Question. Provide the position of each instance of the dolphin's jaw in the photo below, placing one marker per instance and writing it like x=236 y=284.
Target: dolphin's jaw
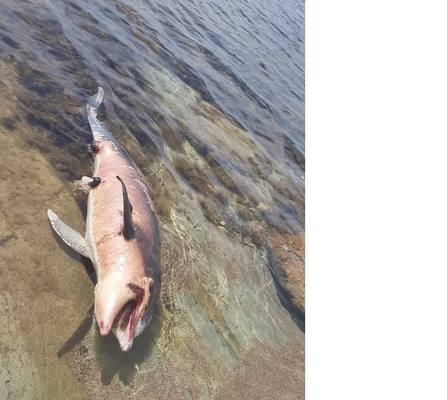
x=127 y=325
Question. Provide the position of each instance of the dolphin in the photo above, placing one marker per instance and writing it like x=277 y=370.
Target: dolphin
x=121 y=238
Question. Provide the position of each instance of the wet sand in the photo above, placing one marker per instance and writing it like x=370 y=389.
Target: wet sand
x=43 y=289
x=204 y=325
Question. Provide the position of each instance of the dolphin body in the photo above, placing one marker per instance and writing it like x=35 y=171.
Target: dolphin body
x=121 y=238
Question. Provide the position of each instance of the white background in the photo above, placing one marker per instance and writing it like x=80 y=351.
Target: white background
x=376 y=204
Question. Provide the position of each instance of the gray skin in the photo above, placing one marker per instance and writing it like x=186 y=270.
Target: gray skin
x=121 y=239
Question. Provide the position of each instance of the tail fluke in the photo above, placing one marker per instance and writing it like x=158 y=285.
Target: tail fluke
x=99 y=131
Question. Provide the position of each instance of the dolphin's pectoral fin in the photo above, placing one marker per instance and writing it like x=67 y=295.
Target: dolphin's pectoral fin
x=128 y=229
x=86 y=183
x=69 y=235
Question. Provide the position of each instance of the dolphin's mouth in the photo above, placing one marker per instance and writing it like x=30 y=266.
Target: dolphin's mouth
x=125 y=323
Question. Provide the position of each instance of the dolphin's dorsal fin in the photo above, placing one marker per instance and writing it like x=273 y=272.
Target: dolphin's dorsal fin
x=128 y=229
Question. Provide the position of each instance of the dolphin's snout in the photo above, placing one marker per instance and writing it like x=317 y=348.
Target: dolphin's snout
x=104 y=329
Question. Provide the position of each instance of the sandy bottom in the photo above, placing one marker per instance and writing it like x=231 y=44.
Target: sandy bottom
x=43 y=290
x=220 y=331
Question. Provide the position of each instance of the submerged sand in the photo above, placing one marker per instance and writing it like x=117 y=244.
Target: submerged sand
x=230 y=320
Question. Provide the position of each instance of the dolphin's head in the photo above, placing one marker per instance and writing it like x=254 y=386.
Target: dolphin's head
x=123 y=308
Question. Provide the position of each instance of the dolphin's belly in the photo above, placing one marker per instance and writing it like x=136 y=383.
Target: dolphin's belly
x=111 y=251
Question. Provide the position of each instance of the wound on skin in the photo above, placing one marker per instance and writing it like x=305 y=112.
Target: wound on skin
x=135 y=288
x=96 y=180
x=93 y=148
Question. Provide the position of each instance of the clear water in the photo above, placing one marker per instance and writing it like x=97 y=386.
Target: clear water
x=208 y=99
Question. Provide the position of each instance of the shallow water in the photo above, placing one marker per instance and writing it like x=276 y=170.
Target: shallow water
x=208 y=99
